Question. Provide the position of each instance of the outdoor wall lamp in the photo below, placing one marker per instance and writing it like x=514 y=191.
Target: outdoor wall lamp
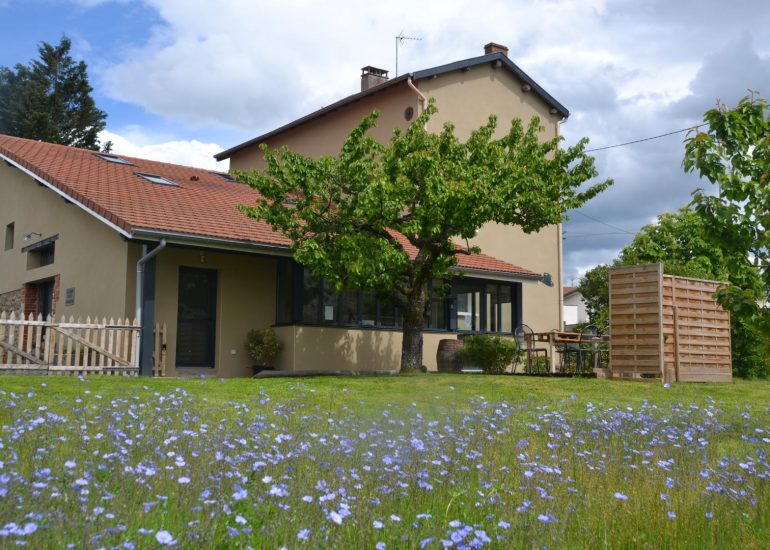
x=28 y=236
x=546 y=278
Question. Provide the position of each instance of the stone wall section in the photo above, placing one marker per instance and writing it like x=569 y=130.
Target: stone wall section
x=11 y=301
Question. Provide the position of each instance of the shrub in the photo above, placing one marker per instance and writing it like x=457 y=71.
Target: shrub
x=491 y=353
x=263 y=346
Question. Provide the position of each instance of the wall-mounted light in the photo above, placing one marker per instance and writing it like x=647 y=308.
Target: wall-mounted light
x=546 y=279
x=28 y=236
x=203 y=257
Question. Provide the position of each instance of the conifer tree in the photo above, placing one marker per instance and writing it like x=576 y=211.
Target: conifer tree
x=50 y=99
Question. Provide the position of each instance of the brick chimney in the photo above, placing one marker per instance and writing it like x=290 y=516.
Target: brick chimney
x=371 y=76
x=492 y=47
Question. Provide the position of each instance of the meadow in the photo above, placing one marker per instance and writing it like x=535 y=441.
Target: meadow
x=431 y=461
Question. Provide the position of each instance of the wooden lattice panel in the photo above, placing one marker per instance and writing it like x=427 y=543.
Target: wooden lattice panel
x=667 y=326
x=635 y=321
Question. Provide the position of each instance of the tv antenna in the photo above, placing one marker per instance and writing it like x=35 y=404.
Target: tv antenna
x=399 y=42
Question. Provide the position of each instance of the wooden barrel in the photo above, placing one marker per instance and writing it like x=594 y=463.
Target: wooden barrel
x=447 y=359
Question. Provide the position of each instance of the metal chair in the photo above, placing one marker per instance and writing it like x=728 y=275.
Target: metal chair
x=585 y=353
x=525 y=339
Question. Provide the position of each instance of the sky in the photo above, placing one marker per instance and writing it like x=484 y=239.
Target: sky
x=182 y=80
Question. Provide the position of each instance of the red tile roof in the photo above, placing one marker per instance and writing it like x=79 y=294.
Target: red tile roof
x=202 y=205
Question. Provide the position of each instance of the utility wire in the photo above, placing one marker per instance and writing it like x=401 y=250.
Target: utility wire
x=578 y=235
x=644 y=139
x=605 y=223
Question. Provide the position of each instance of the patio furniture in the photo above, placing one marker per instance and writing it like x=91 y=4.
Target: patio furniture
x=525 y=338
x=582 y=356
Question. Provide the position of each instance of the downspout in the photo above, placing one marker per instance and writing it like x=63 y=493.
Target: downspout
x=423 y=99
x=147 y=256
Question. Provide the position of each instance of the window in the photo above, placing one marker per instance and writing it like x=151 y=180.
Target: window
x=112 y=158
x=41 y=253
x=223 y=175
x=9 y=233
x=440 y=297
x=469 y=306
x=157 y=179
x=465 y=305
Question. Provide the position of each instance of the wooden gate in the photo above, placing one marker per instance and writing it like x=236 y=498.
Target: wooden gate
x=37 y=345
x=667 y=327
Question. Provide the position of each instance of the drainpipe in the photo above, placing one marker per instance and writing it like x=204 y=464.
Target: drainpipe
x=423 y=99
x=147 y=256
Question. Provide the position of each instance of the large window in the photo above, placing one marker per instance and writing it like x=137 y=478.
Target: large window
x=464 y=305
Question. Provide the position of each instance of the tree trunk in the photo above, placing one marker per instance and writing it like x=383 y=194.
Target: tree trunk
x=413 y=325
x=411 y=347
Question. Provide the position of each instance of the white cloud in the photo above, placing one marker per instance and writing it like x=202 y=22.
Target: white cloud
x=189 y=153
x=625 y=69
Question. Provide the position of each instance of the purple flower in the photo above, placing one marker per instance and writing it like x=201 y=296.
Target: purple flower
x=164 y=537
x=503 y=524
x=621 y=496
x=335 y=517
x=671 y=514
x=303 y=534
x=377 y=524
x=183 y=480
x=380 y=545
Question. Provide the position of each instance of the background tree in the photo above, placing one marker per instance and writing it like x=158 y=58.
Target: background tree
x=383 y=218
x=594 y=287
x=50 y=100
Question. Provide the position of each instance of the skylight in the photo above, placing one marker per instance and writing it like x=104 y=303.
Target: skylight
x=112 y=158
x=223 y=175
x=157 y=179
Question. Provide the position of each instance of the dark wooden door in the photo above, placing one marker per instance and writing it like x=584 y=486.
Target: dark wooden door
x=196 y=317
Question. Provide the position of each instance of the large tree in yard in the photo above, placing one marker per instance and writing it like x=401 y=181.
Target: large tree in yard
x=386 y=217
x=735 y=155
x=50 y=100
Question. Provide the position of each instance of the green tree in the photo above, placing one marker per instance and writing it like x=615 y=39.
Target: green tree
x=50 y=100
x=735 y=155
x=594 y=287
x=384 y=217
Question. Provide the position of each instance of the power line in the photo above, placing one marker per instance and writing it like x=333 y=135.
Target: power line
x=644 y=139
x=578 y=235
x=605 y=223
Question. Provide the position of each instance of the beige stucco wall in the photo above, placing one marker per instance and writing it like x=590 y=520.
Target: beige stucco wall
x=89 y=256
x=467 y=99
x=325 y=135
x=245 y=300
x=309 y=348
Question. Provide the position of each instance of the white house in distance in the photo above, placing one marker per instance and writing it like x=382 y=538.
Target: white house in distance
x=574 y=308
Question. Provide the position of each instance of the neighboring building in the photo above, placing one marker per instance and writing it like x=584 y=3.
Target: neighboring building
x=574 y=308
x=77 y=222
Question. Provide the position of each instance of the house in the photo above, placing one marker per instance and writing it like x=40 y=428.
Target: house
x=87 y=233
x=574 y=308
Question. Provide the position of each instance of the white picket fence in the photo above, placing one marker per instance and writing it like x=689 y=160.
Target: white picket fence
x=70 y=346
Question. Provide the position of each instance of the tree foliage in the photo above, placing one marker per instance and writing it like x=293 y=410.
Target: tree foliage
x=594 y=288
x=50 y=99
x=735 y=155
x=384 y=217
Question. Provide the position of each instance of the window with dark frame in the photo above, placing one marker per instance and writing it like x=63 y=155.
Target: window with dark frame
x=9 y=235
x=464 y=305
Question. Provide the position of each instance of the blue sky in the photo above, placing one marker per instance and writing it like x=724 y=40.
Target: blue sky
x=184 y=79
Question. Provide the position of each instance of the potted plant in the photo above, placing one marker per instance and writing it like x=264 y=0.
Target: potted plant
x=263 y=346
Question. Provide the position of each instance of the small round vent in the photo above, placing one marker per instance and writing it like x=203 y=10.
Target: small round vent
x=409 y=113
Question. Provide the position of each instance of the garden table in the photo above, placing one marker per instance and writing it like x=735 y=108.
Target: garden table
x=573 y=342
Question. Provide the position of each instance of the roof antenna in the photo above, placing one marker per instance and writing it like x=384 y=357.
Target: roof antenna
x=399 y=42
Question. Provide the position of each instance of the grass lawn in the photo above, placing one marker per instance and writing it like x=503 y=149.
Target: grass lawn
x=460 y=461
